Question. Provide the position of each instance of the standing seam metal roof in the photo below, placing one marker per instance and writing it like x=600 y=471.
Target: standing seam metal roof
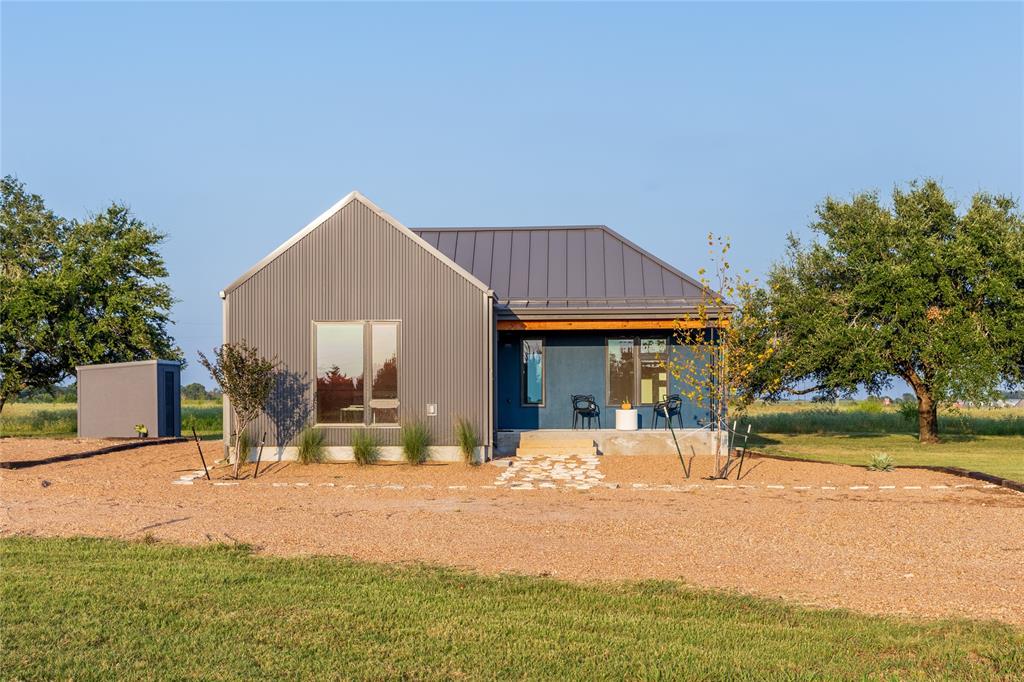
x=564 y=266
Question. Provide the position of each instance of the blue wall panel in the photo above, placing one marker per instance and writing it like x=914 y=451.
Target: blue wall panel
x=574 y=362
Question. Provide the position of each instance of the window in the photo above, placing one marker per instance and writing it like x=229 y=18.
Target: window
x=384 y=391
x=346 y=352
x=533 y=371
x=653 y=373
x=636 y=371
x=621 y=372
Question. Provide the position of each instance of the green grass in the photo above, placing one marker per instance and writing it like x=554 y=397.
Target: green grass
x=60 y=420
x=997 y=455
x=99 y=609
x=989 y=440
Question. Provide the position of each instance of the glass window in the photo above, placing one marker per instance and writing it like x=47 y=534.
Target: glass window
x=533 y=372
x=339 y=373
x=621 y=371
x=653 y=372
x=384 y=389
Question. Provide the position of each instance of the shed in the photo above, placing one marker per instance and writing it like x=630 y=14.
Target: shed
x=113 y=398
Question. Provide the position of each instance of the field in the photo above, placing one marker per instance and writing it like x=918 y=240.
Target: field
x=59 y=420
x=989 y=440
x=78 y=608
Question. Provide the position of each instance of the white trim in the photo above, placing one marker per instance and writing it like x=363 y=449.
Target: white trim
x=319 y=220
x=133 y=363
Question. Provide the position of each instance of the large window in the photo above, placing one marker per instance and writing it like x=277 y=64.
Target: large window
x=533 y=371
x=621 y=371
x=636 y=371
x=346 y=353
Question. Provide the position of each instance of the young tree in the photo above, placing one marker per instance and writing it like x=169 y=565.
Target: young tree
x=246 y=378
x=722 y=346
x=74 y=293
x=915 y=291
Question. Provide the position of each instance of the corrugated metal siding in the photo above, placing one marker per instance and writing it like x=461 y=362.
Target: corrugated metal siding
x=357 y=266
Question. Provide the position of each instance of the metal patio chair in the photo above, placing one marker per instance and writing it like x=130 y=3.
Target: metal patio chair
x=585 y=409
x=667 y=409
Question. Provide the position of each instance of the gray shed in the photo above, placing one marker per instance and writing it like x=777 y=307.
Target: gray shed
x=113 y=398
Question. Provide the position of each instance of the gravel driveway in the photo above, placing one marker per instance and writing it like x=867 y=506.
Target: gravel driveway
x=908 y=542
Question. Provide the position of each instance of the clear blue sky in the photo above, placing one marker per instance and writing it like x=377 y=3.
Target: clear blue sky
x=230 y=126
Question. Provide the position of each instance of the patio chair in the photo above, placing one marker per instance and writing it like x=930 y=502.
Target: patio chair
x=585 y=409
x=667 y=409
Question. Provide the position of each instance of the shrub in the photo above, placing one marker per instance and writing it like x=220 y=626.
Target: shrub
x=871 y=406
x=364 y=447
x=908 y=411
x=468 y=440
x=311 y=446
x=415 y=442
x=881 y=462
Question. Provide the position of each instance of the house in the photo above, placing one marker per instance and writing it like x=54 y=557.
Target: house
x=376 y=325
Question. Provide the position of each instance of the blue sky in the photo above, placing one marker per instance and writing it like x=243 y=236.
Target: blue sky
x=230 y=126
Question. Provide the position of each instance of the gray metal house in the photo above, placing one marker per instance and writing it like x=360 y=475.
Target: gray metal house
x=377 y=325
x=113 y=398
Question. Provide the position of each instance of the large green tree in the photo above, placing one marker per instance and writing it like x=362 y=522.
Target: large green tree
x=916 y=290
x=76 y=292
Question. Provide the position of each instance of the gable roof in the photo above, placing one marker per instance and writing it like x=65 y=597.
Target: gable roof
x=565 y=267
x=319 y=220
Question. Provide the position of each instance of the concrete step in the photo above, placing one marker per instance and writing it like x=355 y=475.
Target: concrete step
x=544 y=450
x=530 y=440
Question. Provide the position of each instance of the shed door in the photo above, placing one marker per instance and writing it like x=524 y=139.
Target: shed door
x=168 y=429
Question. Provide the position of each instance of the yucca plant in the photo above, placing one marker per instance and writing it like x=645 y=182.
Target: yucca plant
x=311 y=446
x=468 y=440
x=415 y=442
x=364 y=447
x=881 y=462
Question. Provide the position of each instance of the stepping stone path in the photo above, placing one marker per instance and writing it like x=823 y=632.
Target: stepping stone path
x=532 y=472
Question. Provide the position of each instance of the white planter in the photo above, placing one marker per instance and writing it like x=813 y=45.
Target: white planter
x=625 y=420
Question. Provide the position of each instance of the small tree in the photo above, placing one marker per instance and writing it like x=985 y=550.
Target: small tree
x=724 y=344
x=194 y=391
x=246 y=378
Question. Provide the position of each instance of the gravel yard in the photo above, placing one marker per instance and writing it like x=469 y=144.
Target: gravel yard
x=908 y=542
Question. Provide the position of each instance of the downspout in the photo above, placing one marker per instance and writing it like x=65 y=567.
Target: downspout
x=492 y=339
x=225 y=405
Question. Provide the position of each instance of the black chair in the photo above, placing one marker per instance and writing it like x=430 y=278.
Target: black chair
x=584 y=408
x=668 y=408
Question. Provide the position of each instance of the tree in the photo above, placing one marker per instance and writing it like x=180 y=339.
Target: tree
x=916 y=291
x=246 y=378
x=724 y=346
x=74 y=293
x=194 y=391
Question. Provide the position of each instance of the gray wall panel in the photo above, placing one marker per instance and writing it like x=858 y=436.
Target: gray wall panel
x=357 y=266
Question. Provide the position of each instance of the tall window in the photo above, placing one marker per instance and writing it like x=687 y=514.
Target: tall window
x=621 y=371
x=346 y=353
x=533 y=371
x=636 y=371
x=384 y=391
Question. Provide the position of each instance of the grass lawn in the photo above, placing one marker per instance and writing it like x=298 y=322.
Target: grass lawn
x=998 y=455
x=848 y=432
x=60 y=420
x=85 y=608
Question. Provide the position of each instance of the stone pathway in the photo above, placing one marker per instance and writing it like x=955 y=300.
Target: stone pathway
x=531 y=472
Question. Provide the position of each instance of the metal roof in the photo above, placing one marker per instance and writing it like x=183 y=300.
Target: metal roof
x=565 y=267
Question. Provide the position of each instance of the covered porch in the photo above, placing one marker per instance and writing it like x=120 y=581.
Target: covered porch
x=541 y=364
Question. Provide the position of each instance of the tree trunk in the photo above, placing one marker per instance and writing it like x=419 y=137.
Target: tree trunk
x=927 y=419
x=3 y=399
x=927 y=408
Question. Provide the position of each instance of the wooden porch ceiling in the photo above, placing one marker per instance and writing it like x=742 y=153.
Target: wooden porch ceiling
x=539 y=325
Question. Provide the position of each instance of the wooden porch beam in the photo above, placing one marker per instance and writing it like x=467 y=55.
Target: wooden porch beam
x=542 y=325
